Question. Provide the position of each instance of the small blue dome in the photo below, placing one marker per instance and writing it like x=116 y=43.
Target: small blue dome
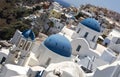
x=59 y=44
x=91 y=23
x=29 y=34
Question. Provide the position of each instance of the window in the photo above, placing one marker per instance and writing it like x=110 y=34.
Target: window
x=86 y=34
x=118 y=41
x=3 y=60
x=78 y=48
x=16 y=55
x=28 y=44
x=21 y=43
x=93 y=38
x=78 y=30
x=58 y=27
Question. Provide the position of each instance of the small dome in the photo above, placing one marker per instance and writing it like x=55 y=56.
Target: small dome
x=59 y=44
x=91 y=23
x=29 y=34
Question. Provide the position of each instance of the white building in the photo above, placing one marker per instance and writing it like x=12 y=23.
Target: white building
x=112 y=70
x=84 y=38
x=26 y=52
x=20 y=51
x=62 y=69
x=56 y=5
x=70 y=19
x=112 y=53
x=87 y=13
x=113 y=34
x=25 y=56
x=58 y=26
x=42 y=17
x=10 y=70
x=3 y=55
x=84 y=44
x=58 y=47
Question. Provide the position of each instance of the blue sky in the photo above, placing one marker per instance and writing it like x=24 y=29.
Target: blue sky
x=110 y=4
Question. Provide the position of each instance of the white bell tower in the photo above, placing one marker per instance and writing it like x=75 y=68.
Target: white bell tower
x=19 y=53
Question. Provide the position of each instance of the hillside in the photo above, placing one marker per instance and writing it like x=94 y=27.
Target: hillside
x=10 y=18
x=108 y=13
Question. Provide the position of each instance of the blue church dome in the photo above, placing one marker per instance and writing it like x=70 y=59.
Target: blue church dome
x=29 y=34
x=92 y=24
x=59 y=44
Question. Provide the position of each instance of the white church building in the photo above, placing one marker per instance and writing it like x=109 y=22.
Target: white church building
x=84 y=38
x=54 y=49
x=26 y=55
